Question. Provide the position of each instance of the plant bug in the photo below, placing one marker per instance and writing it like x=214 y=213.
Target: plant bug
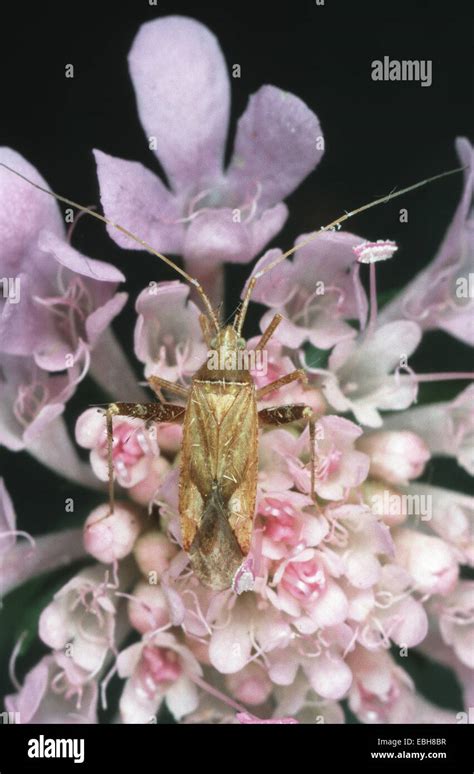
x=219 y=460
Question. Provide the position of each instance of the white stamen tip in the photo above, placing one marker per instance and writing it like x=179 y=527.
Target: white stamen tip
x=244 y=579
x=371 y=252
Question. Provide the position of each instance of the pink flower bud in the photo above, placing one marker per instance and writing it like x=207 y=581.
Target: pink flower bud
x=148 y=610
x=250 y=686
x=111 y=536
x=430 y=561
x=169 y=437
x=385 y=502
x=144 y=491
x=396 y=457
x=153 y=552
x=304 y=580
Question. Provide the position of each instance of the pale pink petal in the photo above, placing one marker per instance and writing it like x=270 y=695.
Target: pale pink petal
x=182 y=698
x=329 y=675
x=182 y=87
x=278 y=143
x=136 y=199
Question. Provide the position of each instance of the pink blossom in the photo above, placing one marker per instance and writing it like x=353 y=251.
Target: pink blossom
x=246 y=718
x=148 y=608
x=381 y=691
x=357 y=541
x=183 y=96
x=439 y=295
x=446 y=428
x=132 y=446
x=430 y=561
x=363 y=376
x=457 y=621
x=315 y=293
x=55 y=691
x=168 y=339
x=83 y=616
x=111 y=536
x=157 y=669
x=389 y=611
x=153 y=552
x=251 y=685
x=450 y=516
x=279 y=364
x=395 y=457
x=67 y=299
x=306 y=591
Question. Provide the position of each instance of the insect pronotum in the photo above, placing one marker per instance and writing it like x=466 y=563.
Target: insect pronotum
x=219 y=459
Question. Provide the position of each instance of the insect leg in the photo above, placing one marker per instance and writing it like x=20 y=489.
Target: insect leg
x=283 y=415
x=269 y=331
x=157 y=412
x=298 y=375
x=157 y=383
x=205 y=328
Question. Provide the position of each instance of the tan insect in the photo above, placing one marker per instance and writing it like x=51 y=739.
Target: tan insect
x=221 y=420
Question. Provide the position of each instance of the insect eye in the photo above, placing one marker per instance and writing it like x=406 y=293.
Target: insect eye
x=240 y=343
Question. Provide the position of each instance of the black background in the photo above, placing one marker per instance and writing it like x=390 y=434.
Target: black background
x=378 y=136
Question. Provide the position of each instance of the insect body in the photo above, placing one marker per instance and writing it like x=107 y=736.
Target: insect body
x=219 y=461
x=218 y=480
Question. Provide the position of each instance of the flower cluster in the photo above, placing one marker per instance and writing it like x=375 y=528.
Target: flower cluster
x=344 y=579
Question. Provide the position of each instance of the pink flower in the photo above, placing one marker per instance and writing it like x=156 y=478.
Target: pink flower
x=153 y=552
x=148 y=608
x=109 y=537
x=66 y=299
x=384 y=693
x=388 y=611
x=439 y=295
x=381 y=691
x=321 y=660
x=429 y=560
x=132 y=446
x=339 y=466
x=451 y=515
x=55 y=691
x=251 y=685
x=457 y=621
x=315 y=293
x=83 y=616
x=157 y=669
x=360 y=377
x=446 y=428
x=168 y=338
x=208 y=215
x=395 y=457
x=305 y=590
x=355 y=542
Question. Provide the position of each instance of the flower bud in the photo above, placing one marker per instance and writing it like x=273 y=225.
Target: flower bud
x=144 y=491
x=250 y=686
x=396 y=457
x=430 y=561
x=153 y=552
x=111 y=536
x=148 y=610
x=385 y=502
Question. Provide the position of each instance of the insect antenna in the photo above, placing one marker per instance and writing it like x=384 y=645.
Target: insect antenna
x=240 y=317
x=89 y=211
